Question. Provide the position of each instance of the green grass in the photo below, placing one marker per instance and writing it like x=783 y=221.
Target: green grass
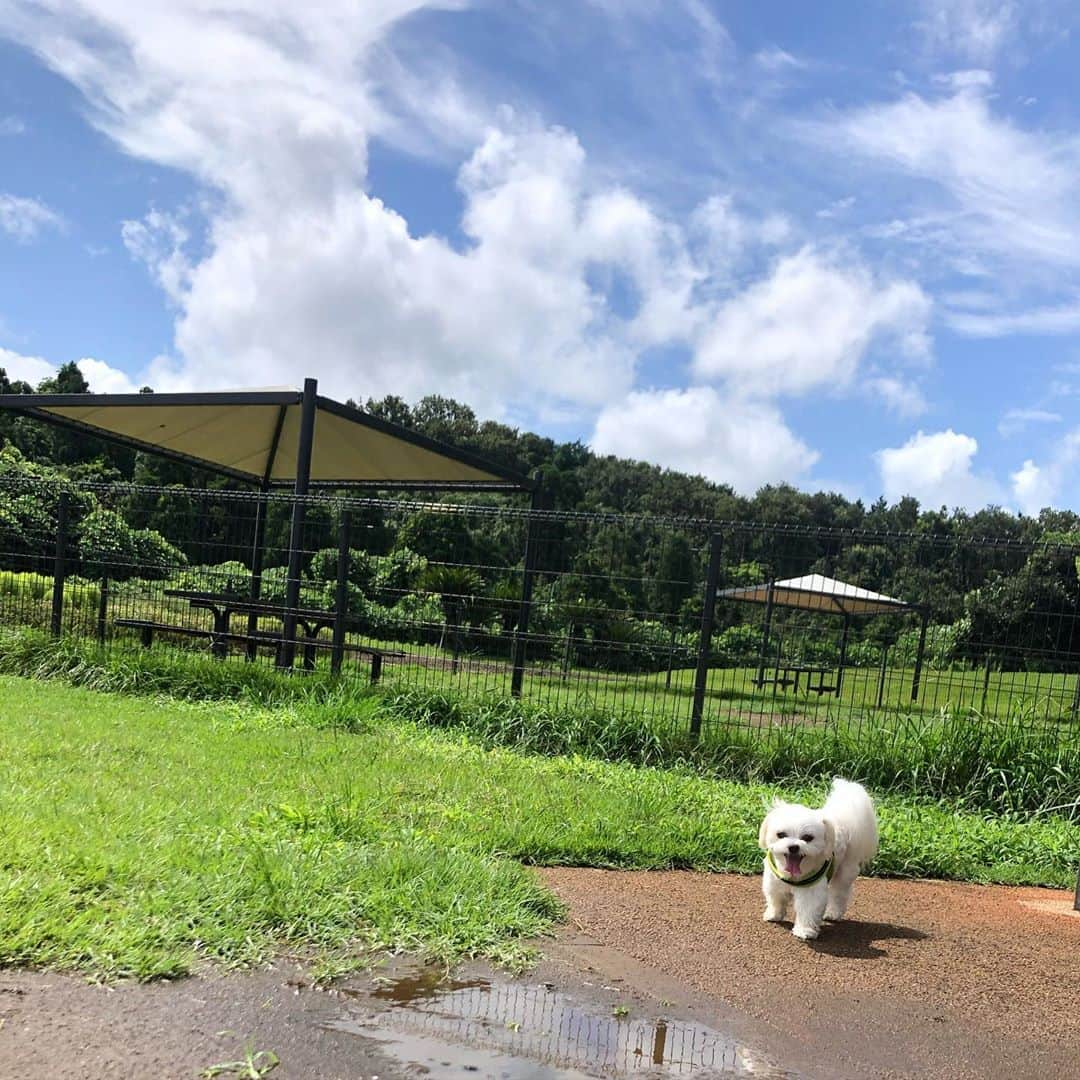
x=139 y=836
x=1012 y=768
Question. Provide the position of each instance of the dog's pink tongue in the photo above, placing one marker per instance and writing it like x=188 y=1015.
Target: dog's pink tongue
x=793 y=865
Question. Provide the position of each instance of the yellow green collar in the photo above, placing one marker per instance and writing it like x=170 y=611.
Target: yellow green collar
x=825 y=871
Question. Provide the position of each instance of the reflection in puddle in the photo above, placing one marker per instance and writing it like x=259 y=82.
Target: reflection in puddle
x=522 y=1031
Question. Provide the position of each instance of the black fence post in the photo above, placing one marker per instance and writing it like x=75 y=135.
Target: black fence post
x=103 y=609
x=305 y=441
x=532 y=556
x=341 y=596
x=766 y=627
x=56 y=623
x=881 y=674
x=843 y=655
x=708 y=617
x=917 y=677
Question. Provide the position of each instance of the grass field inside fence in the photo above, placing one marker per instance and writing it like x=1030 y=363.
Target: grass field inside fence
x=142 y=835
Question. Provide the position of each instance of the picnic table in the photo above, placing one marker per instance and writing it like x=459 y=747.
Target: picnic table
x=223 y=606
x=789 y=673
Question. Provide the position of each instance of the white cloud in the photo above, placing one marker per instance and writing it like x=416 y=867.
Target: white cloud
x=1060 y=319
x=25 y=218
x=774 y=59
x=975 y=29
x=158 y=241
x=937 y=469
x=105 y=379
x=12 y=125
x=808 y=325
x=102 y=377
x=20 y=368
x=1017 y=420
x=1010 y=193
x=699 y=431
x=900 y=396
x=1036 y=487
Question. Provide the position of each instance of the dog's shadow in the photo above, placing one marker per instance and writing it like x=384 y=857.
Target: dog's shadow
x=855 y=940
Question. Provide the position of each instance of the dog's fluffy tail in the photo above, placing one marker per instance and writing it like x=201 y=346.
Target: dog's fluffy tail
x=851 y=811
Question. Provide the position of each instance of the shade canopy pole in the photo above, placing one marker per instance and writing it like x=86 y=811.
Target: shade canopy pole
x=305 y=442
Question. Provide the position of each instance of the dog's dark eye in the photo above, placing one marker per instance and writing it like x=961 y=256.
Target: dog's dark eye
x=807 y=838
x=781 y=835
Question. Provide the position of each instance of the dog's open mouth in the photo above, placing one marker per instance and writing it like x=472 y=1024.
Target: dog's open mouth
x=792 y=865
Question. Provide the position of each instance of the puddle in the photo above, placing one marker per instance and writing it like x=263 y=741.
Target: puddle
x=478 y=1027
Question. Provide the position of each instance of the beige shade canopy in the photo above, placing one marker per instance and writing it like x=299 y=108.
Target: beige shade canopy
x=255 y=436
x=815 y=592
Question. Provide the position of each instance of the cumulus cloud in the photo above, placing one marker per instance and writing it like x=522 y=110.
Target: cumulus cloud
x=808 y=324
x=938 y=470
x=697 y=430
x=20 y=368
x=102 y=377
x=25 y=218
x=1036 y=487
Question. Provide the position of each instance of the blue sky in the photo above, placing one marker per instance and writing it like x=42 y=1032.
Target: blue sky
x=838 y=247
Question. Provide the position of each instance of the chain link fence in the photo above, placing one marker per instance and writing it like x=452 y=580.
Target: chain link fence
x=692 y=623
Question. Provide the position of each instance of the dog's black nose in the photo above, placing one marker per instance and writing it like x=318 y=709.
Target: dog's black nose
x=793 y=849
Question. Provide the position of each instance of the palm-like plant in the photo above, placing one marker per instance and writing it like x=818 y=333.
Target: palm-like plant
x=457 y=587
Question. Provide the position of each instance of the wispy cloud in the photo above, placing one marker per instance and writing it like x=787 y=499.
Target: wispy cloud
x=1062 y=319
x=12 y=125
x=1018 y=420
x=24 y=219
x=1007 y=192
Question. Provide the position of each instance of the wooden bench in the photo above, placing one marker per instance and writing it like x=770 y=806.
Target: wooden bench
x=377 y=655
x=148 y=627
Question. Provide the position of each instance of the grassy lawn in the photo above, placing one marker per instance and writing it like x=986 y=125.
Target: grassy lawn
x=139 y=835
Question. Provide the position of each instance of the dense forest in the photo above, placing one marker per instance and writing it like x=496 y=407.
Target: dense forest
x=603 y=580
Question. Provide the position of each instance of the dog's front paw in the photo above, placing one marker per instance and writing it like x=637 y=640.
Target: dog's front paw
x=805 y=933
x=773 y=915
x=834 y=914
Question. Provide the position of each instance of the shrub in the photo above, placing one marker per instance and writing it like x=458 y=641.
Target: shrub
x=108 y=546
x=229 y=578
x=324 y=567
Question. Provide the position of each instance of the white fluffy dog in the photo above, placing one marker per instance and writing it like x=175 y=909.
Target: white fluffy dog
x=812 y=857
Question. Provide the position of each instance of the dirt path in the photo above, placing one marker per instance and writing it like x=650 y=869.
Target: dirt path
x=922 y=979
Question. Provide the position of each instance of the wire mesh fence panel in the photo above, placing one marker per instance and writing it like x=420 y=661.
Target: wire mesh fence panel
x=803 y=627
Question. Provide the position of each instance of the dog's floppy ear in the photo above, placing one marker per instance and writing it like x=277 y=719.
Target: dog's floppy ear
x=763 y=832
x=830 y=836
